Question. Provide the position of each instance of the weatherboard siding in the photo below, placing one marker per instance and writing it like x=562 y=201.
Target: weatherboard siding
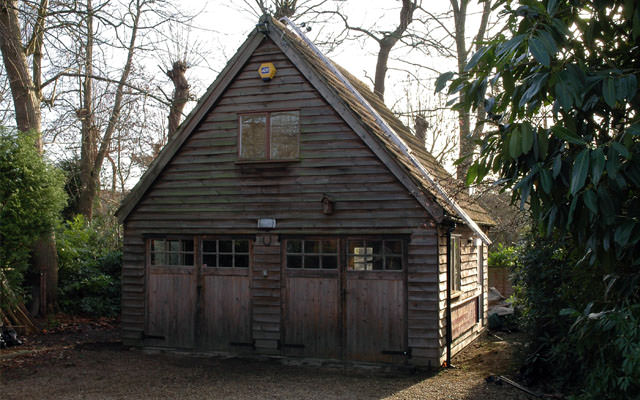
x=464 y=315
x=203 y=190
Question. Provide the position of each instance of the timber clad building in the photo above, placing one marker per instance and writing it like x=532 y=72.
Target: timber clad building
x=283 y=218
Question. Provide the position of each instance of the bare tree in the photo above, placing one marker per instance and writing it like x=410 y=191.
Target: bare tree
x=100 y=112
x=386 y=40
x=180 y=93
x=460 y=50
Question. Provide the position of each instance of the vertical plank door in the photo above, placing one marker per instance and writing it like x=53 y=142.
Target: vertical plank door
x=311 y=299
x=171 y=303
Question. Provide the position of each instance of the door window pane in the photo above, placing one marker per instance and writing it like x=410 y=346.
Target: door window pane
x=374 y=255
x=171 y=252
x=225 y=253
x=312 y=254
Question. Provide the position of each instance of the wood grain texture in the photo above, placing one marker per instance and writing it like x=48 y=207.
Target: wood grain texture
x=375 y=319
x=171 y=307
x=311 y=326
x=226 y=313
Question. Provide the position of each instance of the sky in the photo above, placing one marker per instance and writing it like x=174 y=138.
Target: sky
x=222 y=26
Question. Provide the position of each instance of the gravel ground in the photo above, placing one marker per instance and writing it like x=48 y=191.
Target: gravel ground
x=88 y=362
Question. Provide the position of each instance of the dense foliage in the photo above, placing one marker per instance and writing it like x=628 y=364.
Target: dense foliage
x=90 y=260
x=560 y=85
x=31 y=198
x=502 y=256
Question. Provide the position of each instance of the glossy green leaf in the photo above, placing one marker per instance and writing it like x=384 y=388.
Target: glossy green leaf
x=475 y=58
x=613 y=163
x=572 y=209
x=539 y=52
x=442 y=80
x=580 y=171
x=565 y=134
x=557 y=165
x=607 y=208
x=535 y=85
x=619 y=147
x=543 y=144
x=597 y=165
x=609 y=91
x=527 y=137
x=546 y=181
x=591 y=200
x=623 y=232
x=472 y=173
x=515 y=148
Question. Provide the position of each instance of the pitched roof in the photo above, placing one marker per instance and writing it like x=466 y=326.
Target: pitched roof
x=454 y=200
x=455 y=190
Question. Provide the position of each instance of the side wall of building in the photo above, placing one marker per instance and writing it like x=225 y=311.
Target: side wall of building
x=470 y=305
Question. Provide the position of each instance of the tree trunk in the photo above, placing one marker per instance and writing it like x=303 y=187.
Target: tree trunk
x=88 y=149
x=421 y=126
x=387 y=43
x=25 y=98
x=465 y=140
x=180 y=94
x=26 y=101
x=381 y=66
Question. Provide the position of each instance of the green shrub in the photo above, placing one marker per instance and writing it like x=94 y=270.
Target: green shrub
x=504 y=257
x=31 y=197
x=90 y=261
x=593 y=341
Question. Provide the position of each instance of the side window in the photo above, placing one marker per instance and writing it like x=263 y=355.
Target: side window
x=225 y=253
x=171 y=252
x=374 y=255
x=269 y=136
x=312 y=254
x=456 y=267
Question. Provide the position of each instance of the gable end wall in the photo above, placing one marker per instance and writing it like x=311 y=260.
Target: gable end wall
x=202 y=190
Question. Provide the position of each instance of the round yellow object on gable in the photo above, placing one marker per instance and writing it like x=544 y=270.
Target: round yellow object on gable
x=267 y=71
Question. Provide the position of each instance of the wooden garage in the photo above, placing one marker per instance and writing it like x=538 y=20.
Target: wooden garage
x=295 y=215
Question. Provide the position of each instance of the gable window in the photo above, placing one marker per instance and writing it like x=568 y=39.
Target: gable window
x=372 y=255
x=225 y=253
x=312 y=254
x=455 y=271
x=172 y=252
x=269 y=136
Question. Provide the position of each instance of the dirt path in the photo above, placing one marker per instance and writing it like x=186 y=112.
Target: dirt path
x=89 y=362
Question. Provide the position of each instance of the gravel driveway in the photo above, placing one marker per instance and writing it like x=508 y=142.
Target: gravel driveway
x=79 y=367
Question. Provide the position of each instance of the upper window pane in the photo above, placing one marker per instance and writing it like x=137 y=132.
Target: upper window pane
x=171 y=252
x=285 y=130
x=225 y=253
x=372 y=255
x=312 y=254
x=253 y=137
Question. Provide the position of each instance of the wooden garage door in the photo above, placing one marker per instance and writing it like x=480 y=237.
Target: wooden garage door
x=171 y=295
x=375 y=301
x=344 y=298
x=311 y=298
x=225 y=316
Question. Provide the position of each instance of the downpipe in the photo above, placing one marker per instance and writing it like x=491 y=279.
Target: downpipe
x=448 y=334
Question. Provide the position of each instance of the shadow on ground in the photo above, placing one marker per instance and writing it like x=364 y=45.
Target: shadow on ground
x=76 y=368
